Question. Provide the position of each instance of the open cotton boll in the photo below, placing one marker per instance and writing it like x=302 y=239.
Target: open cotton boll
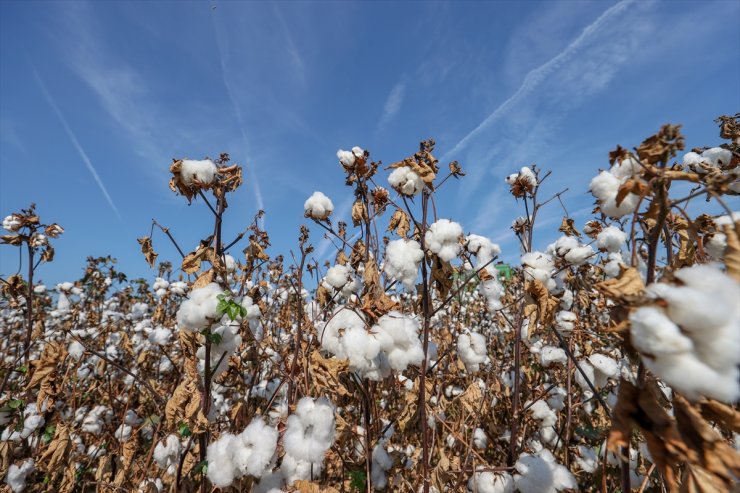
x=343 y=279
x=715 y=244
x=199 y=310
x=587 y=459
x=167 y=454
x=221 y=468
x=222 y=350
x=76 y=350
x=255 y=447
x=382 y=463
x=471 y=348
x=160 y=336
x=402 y=261
x=363 y=351
x=12 y=223
x=204 y=172
x=490 y=482
x=318 y=206
x=570 y=249
x=443 y=238
x=293 y=469
x=310 y=430
x=604 y=368
x=341 y=320
x=16 y=477
x=541 y=473
x=626 y=168
x=346 y=159
x=405 y=181
x=611 y=239
x=398 y=337
x=605 y=187
x=565 y=321
x=552 y=354
x=539 y=266
x=492 y=290
x=483 y=248
x=696 y=326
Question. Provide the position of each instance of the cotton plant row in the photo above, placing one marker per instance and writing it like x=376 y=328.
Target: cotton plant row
x=405 y=363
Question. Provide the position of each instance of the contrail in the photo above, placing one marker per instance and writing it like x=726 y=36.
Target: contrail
x=539 y=74
x=240 y=119
x=75 y=142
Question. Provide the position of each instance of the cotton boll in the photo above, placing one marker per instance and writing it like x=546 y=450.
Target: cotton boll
x=442 y=238
x=611 y=239
x=613 y=266
x=402 y=260
x=167 y=453
x=160 y=336
x=490 y=482
x=471 y=348
x=346 y=159
x=204 y=172
x=293 y=469
x=717 y=156
x=310 y=431
x=540 y=267
x=590 y=376
x=12 y=223
x=381 y=464
x=221 y=468
x=405 y=181
x=715 y=245
x=256 y=447
x=587 y=459
x=492 y=290
x=605 y=368
x=551 y=354
x=318 y=206
x=342 y=319
x=398 y=337
x=655 y=334
x=199 y=310
x=626 y=168
x=542 y=412
x=605 y=187
x=362 y=350
x=16 y=477
x=76 y=350
x=483 y=248
x=542 y=474
x=565 y=321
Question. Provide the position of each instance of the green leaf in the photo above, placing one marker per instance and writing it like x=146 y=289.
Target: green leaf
x=214 y=338
x=49 y=432
x=358 y=481
x=15 y=403
x=22 y=369
x=201 y=468
x=184 y=430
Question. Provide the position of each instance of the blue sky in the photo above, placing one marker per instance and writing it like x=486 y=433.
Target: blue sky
x=96 y=98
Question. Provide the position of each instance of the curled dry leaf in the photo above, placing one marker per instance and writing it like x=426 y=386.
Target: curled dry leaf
x=148 y=250
x=399 y=223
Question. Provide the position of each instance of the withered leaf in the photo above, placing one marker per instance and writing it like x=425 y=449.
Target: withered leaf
x=627 y=283
x=399 y=223
x=732 y=253
x=567 y=227
x=148 y=250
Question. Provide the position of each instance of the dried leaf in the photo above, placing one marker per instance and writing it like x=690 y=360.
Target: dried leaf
x=399 y=223
x=148 y=250
x=567 y=227
x=635 y=186
x=359 y=213
x=732 y=253
x=325 y=374
x=627 y=283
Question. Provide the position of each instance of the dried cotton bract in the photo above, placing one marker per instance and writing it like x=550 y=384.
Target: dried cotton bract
x=691 y=339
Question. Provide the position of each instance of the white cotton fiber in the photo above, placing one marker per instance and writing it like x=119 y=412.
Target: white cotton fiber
x=402 y=261
x=318 y=206
x=199 y=310
x=443 y=238
x=204 y=172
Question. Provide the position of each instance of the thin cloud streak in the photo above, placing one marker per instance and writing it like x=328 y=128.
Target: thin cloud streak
x=392 y=104
x=229 y=91
x=536 y=76
x=76 y=143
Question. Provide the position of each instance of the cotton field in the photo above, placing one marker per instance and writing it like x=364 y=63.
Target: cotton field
x=414 y=361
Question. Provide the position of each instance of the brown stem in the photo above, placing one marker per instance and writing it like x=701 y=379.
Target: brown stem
x=422 y=376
